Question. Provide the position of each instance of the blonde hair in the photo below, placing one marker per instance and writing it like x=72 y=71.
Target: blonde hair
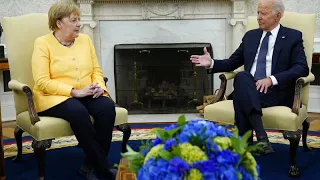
x=59 y=10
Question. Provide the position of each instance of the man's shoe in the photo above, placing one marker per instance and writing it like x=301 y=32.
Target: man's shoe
x=88 y=173
x=111 y=173
x=266 y=148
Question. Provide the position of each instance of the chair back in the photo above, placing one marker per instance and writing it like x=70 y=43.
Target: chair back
x=20 y=33
x=306 y=24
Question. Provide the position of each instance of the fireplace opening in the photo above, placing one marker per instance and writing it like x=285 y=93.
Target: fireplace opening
x=159 y=78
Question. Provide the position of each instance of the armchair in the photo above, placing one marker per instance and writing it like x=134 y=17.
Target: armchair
x=20 y=33
x=288 y=120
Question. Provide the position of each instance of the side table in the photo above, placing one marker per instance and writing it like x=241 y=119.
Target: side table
x=123 y=173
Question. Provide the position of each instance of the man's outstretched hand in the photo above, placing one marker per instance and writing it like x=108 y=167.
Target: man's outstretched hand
x=202 y=60
x=263 y=84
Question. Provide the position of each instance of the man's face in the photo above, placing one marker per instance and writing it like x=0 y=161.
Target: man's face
x=267 y=19
x=70 y=26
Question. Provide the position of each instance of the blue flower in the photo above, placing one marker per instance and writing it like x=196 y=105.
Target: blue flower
x=178 y=166
x=205 y=166
x=156 y=169
x=156 y=141
x=227 y=157
x=170 y=143
x=145 y=152
x=170 y=127
x=211 y=146
x=226 y=172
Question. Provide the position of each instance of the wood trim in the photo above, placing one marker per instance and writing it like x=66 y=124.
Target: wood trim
x=316 y=58
x=4 y=65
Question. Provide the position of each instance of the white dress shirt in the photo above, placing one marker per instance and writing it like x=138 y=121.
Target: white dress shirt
x=272 y=40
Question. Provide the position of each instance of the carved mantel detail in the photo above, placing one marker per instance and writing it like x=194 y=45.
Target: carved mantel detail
x=158 y=10
x=87 y=13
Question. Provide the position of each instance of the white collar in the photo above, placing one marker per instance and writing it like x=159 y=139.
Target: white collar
x=274 y=31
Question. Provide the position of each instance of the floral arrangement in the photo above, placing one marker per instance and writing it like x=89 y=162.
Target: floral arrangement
x=194 y=150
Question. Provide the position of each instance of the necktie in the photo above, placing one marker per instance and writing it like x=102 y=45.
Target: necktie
x=261 y=61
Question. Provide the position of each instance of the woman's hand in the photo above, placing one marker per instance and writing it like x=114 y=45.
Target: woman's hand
x=98 y=91
x=87 y=91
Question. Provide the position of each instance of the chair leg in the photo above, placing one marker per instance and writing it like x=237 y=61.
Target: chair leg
x=126 y=129
x=305 y=128
x=18 y=136
x=294 y=139
x=39 y=148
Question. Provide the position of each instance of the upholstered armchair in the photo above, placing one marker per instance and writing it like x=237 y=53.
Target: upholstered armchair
x=288 y=120
x=20 y=33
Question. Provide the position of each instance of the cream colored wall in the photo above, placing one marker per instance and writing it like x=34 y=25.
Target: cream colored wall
x=301 y=6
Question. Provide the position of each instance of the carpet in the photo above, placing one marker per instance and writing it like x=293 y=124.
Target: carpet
x=64 y=158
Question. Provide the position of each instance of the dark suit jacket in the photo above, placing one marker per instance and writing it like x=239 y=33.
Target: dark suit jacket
x=288 y=60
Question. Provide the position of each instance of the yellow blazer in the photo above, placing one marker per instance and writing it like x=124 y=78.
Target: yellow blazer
x=57 y=69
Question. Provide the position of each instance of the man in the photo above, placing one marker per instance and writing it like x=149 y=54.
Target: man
x=273 y=57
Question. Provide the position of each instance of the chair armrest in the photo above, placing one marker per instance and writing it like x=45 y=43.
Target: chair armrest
x=230 y=75
x=105 y=81
x=18 y=86
x=307 y=79
x=299 y=83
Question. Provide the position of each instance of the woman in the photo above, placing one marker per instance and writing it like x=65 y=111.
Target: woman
x=69 y=85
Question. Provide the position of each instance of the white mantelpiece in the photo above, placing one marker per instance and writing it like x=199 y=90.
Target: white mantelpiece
x=94 y=12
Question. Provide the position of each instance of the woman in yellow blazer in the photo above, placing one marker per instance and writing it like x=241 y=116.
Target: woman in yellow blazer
x=69 y=85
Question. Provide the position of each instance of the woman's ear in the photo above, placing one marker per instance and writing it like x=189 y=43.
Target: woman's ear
x=58 y=24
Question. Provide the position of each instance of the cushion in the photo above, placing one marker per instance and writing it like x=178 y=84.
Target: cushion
x=50 y=127
x=276 y=117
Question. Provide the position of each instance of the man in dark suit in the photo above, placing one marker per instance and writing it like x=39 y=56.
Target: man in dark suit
x=273 y=57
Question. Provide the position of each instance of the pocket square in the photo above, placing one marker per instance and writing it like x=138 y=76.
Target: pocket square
x=283 y=37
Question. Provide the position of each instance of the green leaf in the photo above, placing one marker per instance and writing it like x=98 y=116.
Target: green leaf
x=172 y=131
x=182 y=120
x=176 y=151
x=164 y=154
x=162 y=134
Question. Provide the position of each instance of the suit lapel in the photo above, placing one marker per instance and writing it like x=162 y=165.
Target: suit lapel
x=255 y=45
x=281 y=37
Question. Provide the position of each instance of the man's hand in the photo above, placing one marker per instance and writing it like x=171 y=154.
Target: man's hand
x=203 y=60
x=98 y=91
x=263 y=84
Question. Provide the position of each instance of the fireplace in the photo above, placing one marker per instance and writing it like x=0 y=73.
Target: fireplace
x=159 y=78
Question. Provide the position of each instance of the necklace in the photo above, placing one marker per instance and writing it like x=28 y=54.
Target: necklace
x=66 y=45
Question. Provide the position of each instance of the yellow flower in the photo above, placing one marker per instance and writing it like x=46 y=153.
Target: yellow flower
x=223 y=142
x=191 y=154
x=250 y=164
x=194 y=175
x=154 y=152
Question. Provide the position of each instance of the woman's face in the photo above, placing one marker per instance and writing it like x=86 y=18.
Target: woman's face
x=70 y=26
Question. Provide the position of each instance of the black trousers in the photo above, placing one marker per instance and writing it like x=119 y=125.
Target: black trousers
x=94 y=139
x=248 y=102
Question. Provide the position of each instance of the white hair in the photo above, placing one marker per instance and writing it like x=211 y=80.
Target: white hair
x=278 y=6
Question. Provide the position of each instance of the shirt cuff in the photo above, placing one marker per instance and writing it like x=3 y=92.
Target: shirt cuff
x=274 y=80
x=211 y=66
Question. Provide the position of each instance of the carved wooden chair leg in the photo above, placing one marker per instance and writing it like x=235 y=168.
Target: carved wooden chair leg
x=39 y=148
x=294 y=138
x=18 y=136
x=305 y=128
x=126 y=129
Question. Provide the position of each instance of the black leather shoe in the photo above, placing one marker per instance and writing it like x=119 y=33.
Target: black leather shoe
x=88 y=173
x=111 y=173
x=266 y=148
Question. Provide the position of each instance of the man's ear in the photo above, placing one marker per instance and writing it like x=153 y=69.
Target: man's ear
x=278 y=16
